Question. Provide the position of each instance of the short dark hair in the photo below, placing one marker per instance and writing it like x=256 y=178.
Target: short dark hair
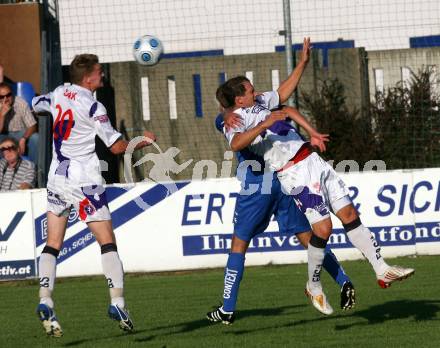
x=232 y=88
x=5 y=85
x=82 y=65
x=11 y=139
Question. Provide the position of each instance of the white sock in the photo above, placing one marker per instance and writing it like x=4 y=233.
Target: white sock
x=47 y=301
x=47 y=273
x=117 y=300
x=114 y=273
x=315 y=258
x=362 y=238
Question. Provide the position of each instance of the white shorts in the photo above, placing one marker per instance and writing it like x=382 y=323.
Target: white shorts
x=315 y=187
x=63 y=193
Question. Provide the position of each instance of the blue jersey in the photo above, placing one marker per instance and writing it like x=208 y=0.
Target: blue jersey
x=254 y=210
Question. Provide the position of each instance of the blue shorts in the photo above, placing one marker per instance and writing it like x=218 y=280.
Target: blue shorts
x=253 y=212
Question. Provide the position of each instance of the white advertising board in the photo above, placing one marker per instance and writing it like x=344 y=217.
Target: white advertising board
x=17 y=247
x=190 y=226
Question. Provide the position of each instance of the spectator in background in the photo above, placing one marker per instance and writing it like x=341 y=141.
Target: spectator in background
x=15 y=173
x=4 y=78
x=17 y=121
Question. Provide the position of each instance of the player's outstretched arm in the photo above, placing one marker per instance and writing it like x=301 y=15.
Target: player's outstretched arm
x=120 y=146
x=295 y=115
x=288 y=86
x=41 y=104
x=244 y=139
x=316 y=138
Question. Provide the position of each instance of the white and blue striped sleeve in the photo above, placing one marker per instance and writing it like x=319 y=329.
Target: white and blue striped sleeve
x=41 y=103
x=102 y=125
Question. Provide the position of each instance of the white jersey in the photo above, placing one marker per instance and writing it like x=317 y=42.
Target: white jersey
x=78 y=118
x=279 y=143
x=74 y=177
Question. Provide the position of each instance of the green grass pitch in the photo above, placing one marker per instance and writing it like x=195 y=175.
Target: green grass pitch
x=169 y=310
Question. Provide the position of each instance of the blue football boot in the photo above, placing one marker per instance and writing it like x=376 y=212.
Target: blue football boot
x=120 y=315
x=49 y=320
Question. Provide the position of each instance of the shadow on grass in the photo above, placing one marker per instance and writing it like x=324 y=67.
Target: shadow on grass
x=179 y=328
x=419 y=311
x=190 y=326
x=97 y=339
x=422 y=310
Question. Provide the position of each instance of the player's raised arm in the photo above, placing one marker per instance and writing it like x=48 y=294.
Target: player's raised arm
x=316 y=138
x=288 y=86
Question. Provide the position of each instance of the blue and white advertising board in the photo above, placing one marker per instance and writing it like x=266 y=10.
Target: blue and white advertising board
x=190 y=226
x=17 y=250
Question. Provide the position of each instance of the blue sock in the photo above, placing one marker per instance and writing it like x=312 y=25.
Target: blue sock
x=332 y=266
x=233 y=274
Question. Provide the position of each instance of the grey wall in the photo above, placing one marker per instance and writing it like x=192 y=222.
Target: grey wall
x=196 y=137
x=392 y=61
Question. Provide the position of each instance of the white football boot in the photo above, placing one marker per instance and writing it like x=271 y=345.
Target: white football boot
x=319 y=301
x=392 y=274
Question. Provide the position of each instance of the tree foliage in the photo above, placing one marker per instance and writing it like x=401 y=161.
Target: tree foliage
x=406 y=122
x=401 y=127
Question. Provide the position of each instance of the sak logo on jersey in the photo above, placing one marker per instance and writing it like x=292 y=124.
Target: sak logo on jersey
x=69 y=94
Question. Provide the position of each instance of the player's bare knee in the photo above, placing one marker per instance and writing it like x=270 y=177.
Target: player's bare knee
x=304 y=238
x=238 y=245
x=352 y=225
x=323 y=228
x=54 y=242
x=347 y=214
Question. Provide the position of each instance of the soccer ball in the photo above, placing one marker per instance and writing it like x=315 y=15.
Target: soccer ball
x=147 y=50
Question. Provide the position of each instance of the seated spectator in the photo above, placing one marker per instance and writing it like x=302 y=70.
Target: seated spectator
x=15 y=173
x=17 y=121
x=4 y=78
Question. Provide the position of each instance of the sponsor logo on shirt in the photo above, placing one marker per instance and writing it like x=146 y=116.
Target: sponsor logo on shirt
x=257 y=108
x=101 y=118
x=55 y=199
